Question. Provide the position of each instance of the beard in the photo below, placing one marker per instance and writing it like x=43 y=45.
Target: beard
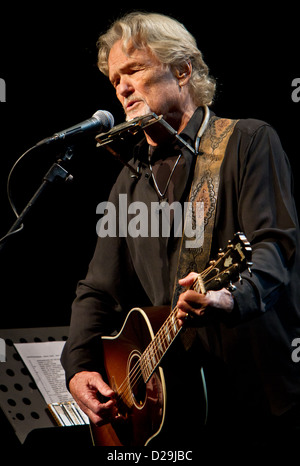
x=141 y=110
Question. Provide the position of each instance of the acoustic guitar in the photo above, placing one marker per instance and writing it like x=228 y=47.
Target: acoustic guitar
x=132 y=358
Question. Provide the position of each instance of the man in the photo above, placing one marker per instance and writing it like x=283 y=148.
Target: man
x=245 y=341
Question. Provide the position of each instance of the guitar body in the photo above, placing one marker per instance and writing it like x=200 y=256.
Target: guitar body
x=143 y=405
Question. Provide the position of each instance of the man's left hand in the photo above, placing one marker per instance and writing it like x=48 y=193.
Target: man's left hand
x=190 y=302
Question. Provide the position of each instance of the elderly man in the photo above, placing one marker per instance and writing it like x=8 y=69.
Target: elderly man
x=244 y=335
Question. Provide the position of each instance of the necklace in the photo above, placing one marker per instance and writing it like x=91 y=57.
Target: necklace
x=201 y=130
x=160 y=194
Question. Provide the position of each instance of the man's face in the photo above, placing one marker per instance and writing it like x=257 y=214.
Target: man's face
x=142 y=83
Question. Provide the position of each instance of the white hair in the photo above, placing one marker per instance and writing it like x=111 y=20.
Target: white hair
x=169 y=40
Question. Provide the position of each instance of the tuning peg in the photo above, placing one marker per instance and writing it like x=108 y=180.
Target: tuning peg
x=231 y=287
x=249 y=268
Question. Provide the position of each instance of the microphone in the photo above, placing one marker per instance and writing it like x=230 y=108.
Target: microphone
x=101 y=120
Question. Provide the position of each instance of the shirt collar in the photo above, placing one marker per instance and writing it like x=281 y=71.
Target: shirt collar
x=189 y=134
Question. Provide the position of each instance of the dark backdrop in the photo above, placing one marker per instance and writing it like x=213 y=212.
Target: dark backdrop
x=48 y=61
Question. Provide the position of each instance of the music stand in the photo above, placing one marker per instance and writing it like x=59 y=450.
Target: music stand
x=21 y=402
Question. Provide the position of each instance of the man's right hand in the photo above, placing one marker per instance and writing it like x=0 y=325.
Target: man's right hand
x=85 y=388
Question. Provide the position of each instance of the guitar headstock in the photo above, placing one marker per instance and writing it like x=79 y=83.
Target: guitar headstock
x=231 y=261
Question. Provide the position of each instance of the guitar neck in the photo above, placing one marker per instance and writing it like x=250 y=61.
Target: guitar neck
x=164 y=338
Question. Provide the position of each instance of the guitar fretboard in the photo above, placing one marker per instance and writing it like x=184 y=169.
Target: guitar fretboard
x=162 y=341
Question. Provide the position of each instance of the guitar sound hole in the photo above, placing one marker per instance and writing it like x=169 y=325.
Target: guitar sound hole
x=137 y=385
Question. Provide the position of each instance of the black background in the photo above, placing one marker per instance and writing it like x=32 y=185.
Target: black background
x=48 y=61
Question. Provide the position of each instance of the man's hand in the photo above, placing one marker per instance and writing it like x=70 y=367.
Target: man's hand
x=85 y=387
x=193 y=303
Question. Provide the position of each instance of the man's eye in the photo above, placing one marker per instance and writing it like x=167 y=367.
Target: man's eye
x=135 y=70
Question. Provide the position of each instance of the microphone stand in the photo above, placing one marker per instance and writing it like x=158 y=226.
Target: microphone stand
x=55 y=173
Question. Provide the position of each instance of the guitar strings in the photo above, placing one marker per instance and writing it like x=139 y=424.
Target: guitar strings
x=145 y=365
x=137 y=371
x=142 y=366
x=165 y=336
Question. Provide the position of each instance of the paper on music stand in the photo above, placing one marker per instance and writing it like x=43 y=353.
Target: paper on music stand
x=43 y=362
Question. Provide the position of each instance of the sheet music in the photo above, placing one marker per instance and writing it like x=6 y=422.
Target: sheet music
x=43 y=362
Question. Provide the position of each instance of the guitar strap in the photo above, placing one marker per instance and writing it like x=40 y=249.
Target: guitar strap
x=199 y=219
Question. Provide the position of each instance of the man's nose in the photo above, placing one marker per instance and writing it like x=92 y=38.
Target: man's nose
x=125 y=87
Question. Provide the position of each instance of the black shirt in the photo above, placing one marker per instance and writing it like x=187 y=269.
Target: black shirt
x=255 y=196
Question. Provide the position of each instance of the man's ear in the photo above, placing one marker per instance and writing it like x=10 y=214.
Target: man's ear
x=183 y=73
